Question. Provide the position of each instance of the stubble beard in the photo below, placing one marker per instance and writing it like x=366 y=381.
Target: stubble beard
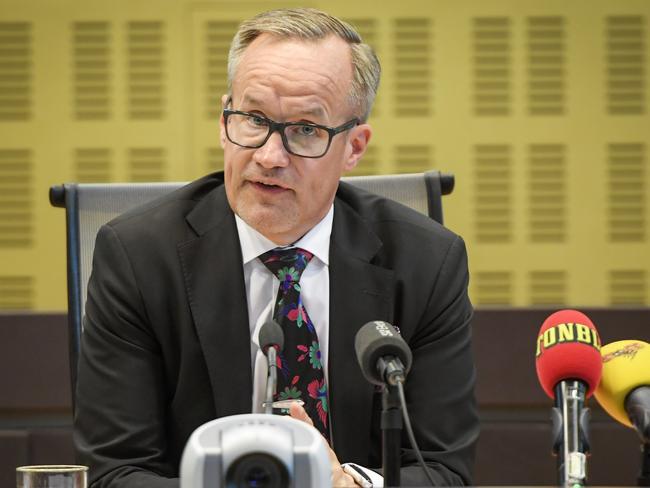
x=268 y=218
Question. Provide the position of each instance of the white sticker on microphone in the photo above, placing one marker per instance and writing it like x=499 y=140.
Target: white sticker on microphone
x=576 y=465
x=382 y=328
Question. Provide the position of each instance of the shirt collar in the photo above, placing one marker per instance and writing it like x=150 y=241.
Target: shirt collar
x=316 y=241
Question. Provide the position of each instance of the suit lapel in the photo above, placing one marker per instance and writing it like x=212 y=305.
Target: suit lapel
x=214 y=282
x=359 y=292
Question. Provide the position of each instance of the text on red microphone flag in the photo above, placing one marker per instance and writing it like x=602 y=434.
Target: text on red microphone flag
x=567 y=333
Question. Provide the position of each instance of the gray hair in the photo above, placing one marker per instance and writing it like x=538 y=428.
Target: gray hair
x=313 y=24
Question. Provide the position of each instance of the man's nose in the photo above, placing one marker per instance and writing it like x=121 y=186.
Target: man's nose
x=272 y=153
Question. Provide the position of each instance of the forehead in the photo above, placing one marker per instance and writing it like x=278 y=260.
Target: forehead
x=288 y=75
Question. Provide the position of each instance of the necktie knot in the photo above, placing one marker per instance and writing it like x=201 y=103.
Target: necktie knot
x=287 y=264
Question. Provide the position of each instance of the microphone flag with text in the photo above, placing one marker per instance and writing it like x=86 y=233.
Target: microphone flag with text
x=569 y=368
x=624 y=392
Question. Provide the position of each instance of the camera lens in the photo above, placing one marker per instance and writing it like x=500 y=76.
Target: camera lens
x=257 y=470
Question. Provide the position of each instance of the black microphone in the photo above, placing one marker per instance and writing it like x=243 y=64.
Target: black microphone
x=637 y=406
x=271 y=340
x=271 y=335
x=385 y=360
x=383 y=355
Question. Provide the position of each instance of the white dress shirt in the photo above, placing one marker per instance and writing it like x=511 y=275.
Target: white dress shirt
x=261 y=293
x=262 y=289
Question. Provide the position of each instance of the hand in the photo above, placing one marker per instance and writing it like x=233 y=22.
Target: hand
x=339 y=477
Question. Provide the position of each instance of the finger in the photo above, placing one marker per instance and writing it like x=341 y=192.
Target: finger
x=334 y=460
x=298 y=412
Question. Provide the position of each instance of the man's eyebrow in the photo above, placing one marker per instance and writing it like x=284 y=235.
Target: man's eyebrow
x=313 y=111
x=250 y=100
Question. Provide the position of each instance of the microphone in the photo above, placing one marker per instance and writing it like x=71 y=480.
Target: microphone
x=382 y=354
x=385 y=360
x=271 y=335
x=569 y=368
x=271 y=340
x=624 y=392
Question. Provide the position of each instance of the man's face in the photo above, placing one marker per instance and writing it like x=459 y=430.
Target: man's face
x=280 y=195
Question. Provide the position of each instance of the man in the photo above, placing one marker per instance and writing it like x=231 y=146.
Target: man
x=181 y=286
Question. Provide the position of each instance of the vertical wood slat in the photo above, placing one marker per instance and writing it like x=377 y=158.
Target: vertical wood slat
x=217 y=37
x=146 y=70
x=492 y=193
x=627 y=192
x=626 y=65
x=16 y=292
x=628 y=287
x=413 y=158
x=493 y=287
x=93 y=165
x=16 y=198
x=16 y=70
x=546 y=65
x=91 y=77
x=147 y=164
x=492 y=66
x=547 y=190
x=548 y=287
x=413 y=54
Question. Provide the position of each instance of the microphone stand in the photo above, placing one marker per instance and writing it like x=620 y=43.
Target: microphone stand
x=391 y=425
x=570 y=421
x=644 y=476
x=636 y=406
x=272 y=379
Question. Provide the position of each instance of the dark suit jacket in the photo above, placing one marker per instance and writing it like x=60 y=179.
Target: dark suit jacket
x=166 y=343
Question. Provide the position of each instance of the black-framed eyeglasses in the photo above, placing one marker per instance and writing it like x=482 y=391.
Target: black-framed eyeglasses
x=302 y=139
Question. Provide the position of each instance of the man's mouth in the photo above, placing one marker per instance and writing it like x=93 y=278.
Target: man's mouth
x=268 y=187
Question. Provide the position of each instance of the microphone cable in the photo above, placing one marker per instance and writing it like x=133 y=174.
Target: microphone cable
x=409 y=432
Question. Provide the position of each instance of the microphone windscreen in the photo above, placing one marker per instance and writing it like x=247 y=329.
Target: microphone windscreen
x=271 y=334
x=377 y=339
x=568 y=348
x=626 y=366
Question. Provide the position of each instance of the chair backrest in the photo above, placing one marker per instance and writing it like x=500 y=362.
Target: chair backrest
x=90 y=205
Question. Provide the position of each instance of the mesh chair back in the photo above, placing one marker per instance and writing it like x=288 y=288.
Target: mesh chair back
x=89 y=206
x=100 y=203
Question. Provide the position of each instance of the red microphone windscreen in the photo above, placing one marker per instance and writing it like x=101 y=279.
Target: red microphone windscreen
x=568 y=348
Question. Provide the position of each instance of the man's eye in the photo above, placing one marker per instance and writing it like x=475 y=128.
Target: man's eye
x=258 y=121
x=306 y=130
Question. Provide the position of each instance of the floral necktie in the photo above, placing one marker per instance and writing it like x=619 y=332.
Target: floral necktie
x=300 y=363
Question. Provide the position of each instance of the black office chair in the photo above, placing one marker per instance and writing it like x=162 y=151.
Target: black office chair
x=90 y=205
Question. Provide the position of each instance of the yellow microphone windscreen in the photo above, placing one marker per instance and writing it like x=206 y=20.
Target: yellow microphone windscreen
x=626 y=366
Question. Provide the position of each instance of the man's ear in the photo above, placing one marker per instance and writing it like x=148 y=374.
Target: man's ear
x=359 y=139
x=225 y=100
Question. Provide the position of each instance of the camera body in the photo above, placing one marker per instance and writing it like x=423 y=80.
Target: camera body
x=265 y=451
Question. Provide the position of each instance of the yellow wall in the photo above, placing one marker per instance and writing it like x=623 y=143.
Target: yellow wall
x=540 y=109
